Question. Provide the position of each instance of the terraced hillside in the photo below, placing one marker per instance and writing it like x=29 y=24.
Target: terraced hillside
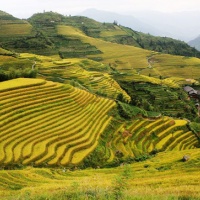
x=131 y=60
x=166 y=97
x=112 y=32
x=93 y=103
x=140 y=137
x=94 y=81
x=49 y=122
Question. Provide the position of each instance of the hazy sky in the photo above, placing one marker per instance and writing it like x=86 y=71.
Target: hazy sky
x=25 y=8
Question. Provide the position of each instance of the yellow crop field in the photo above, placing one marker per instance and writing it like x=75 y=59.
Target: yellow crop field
x=15 y=29
x=128 y=57
x=49 y=116
x=96 y=82
x=5 y=52
x=58 y=124
x=145 y=136
x=19 y=83
x=177 y=66
x=112 y=33
x=93 y=127
x=163 y=176
x=6 y=59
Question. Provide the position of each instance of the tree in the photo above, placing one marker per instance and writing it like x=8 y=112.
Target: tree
x=115 y=23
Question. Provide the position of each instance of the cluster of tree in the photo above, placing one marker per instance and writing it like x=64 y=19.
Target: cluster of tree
x=129 y=111
x=46 y=18
x=167 y=45
x=36 y=42
x=17 y=73
x=156 y=98
x=159 y=44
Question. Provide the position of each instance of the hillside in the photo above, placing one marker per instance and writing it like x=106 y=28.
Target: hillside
x=169 y=177
x=181 y=25
x=57 y=124
x=40 y=34
x=74 y=99
x=11 y=26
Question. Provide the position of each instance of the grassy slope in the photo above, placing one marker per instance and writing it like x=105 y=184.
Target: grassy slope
x=133 y=59
x=164 y=176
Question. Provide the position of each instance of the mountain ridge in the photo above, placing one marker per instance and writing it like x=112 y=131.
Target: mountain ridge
x=46 y=22
x=180 y=25
x=195 y=43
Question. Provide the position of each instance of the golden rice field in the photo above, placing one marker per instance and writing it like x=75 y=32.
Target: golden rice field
x=6 y=59
x=112 y=32
x=146 y=135
x=95 y=82
x=177 y=66
x=162 y=177
x=49 y=124
x=15 y=29
x=5 y=52
x=46 y=122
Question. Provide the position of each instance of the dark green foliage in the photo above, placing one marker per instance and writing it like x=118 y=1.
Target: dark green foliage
x=13 y=73
x=142 y=157
x=163 y=168
x=128 y=111
x=97 y=158
x=120 y=97
x=159 y=99
x=46 y=18
x=195 y=127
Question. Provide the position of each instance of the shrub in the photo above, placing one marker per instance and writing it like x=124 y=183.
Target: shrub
x=121 y=182
x=127 y=111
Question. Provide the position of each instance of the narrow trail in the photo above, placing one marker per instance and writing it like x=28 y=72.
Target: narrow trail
x=33 y=66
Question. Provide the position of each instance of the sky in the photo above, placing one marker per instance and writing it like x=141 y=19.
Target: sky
x=26 y=8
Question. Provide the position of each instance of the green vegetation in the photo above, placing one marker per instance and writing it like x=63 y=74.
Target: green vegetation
x=127 y=36
x=128 y=111
x=159 y=98
x=11 y=67
x=41 y=32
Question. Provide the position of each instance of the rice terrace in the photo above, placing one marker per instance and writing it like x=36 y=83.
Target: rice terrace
x=92 y=110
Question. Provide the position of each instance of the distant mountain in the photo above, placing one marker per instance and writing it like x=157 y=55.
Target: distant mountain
x=179 y=25
x=124 y=20
x=195 y=43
